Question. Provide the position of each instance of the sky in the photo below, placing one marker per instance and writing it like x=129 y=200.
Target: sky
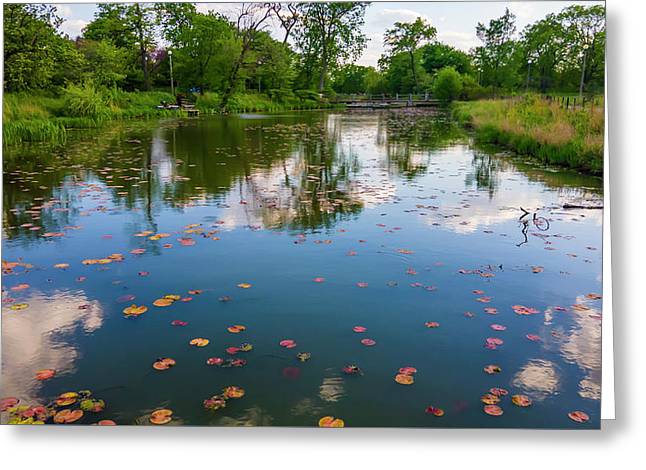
x=455 y=21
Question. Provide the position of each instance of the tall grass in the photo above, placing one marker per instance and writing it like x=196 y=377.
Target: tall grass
x=42 y=117
x=537 y=127
x=259 y=102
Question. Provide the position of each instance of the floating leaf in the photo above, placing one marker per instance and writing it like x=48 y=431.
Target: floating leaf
x=521 y=400
x=498 y=391
x=359 y=329
x=179 y=323
x=134 y=310
x=434 y=411
x=489 y=399
x=199 y=342
x=303 y=356
x=214 y=361
x=162 y=416
x=351 y=369
x=432 y=324
x=215 y=403
x=236 y=328
x=532 y=337
x=408 y=370
x=288 y=343
x=164 y=363
x=92 y=405
x=232 y=350
x=18 y=307
x=492 y=369
x=497 y=327
x=68 y=416
x=578 y=416
x=593 y=296
x=331 y=422
x=45 y=374
x=8 y=402
x=319 y=279
x=233 y=392
x=362 y=284
x=244 y=285
x=106 y=422
x=67 y=398
x=20 y=287
x=404 y=379
x=368 y=342
x=163 y=302
x=493 y=410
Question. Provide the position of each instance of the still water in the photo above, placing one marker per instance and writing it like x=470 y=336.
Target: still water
x=301 y=227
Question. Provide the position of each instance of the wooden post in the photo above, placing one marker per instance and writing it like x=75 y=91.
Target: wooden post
x=567 y=103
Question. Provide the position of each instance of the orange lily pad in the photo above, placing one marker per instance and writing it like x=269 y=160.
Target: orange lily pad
x=45 y=374
x=493 y=410
x=68 y=416
x=244 y=285
x=164 y=363
x=521 y=400
x=199 y=342
x=134 y=310
x=163 y=302
x=404 y=379
x=331 y=422
x=233 y=392
x=67 y=398
x=162 y=416
x=236 y=328
x=578 y=416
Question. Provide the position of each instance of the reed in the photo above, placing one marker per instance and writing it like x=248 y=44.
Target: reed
x=534 y=126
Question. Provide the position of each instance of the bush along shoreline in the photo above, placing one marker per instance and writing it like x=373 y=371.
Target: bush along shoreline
x=543 y=129
x=44 y=117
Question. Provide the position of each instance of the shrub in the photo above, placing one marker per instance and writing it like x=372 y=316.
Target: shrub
x=447 y=85
x=85 y=101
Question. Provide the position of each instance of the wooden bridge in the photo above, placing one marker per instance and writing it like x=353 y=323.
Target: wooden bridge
x=385 y=101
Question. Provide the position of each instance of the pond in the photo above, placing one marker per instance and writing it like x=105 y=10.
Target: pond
x=301 y=227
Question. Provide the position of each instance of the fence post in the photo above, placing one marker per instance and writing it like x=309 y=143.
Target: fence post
x=567 y=103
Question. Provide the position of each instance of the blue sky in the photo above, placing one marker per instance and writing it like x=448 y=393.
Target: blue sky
x=455 y=21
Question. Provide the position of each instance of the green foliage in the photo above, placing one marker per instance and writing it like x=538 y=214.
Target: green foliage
x=436 y=56
x=406 y=38
x=328 y=35
x=105 y=63
x=85 y=101
x=448 y=85
x=352 y=78
x=537 y=127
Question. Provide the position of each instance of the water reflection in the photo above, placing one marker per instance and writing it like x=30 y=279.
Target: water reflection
x=41 y=337
x=538 y=379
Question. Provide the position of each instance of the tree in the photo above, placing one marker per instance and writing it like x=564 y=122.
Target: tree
x=31 y=45
x=201 y=48
x=407 y=38
x=586 y=36
x=288 y=15
x=544 y=47
x=351 y=78
x=436 y=56
x=270 y=64
x=105 y=63
x=173 y=18
x=140 y=17
x=448 y=84
x=251 y=18
x=496 y=56
x=329 y=34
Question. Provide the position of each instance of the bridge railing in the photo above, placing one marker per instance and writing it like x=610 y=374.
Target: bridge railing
x=359 y=97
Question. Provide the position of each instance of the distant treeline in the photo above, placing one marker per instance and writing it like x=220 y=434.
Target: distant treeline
x=129 y=47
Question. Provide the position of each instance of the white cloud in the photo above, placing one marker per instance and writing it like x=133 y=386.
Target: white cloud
x=73 y=28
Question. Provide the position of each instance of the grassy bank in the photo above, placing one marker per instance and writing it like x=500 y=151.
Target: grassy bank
x=260 y=102
x=43 y=117
x=533 y=126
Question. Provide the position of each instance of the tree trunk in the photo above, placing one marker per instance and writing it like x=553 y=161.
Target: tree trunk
x=585 y=54
x=412 y=68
